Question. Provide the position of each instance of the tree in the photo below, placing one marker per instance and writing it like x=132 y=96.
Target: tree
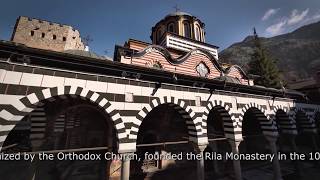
x=263 y=66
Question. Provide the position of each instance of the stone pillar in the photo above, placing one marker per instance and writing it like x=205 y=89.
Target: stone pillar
x=275 y=163
x=314 y=142
x=236 y=164
x=34 y=168
x=213 y=145
x=297 y=165
x=125 y=166
x=200 y=163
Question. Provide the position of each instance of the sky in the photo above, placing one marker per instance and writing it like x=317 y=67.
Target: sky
x=111 y=22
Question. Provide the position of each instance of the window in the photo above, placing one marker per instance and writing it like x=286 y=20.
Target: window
x=54 y=37
x=198 y=101
x=64 y=39
x=32 y=33
x=128 y=97
x=186 y=27
x=197 y=33
x=43 y=35
x=202 y=70
x=157 y=65
x=170 y=27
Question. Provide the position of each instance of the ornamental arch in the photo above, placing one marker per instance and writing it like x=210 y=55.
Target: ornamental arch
x=33 y=103
x=219 y=126
x=222 y=109
x=62 y=118
x=265 y=124
x=306 y=128
x=164 y=123
x=194 y=128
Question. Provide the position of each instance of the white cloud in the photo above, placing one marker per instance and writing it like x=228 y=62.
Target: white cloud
x=269 y=13
x=297 y=17
x=277 y=28
x=311 y=19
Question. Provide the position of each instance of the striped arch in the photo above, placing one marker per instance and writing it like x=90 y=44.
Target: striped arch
x=229 y=123
x=267 y=125
x=315 y=113
x=194 y=127
x=307 y=122
x=285 y=124
x=316 y=117
x=30 y=102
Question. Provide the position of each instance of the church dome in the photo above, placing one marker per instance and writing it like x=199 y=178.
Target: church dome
x=178 y=23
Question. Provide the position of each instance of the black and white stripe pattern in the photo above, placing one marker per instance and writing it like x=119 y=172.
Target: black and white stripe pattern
x=38 y=126
x=194 y=128
x=268 y=126
x=284 y=123
x=316 y=116
x=303 y=120
x=59 y=123
x=229 y=124
x=12 y=110
x=31 y=102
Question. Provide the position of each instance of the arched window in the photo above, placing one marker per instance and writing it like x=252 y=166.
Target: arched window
x=170 y=28
x=157 y=65
x=198 y=36
x=186 y=27
x=202 y=69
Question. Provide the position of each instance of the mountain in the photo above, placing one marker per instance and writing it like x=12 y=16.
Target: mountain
x=297 y=53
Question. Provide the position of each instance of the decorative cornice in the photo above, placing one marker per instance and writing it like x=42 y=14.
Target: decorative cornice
x=166 y=54
x=227 y=70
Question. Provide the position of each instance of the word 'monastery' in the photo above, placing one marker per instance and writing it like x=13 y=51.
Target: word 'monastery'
x=231 y=156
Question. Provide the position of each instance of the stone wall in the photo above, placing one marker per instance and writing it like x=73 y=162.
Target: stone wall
x=46 y=35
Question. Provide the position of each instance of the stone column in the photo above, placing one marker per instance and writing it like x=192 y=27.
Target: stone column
x=215 y=164
x=200 y=163
x=236 y=164
x=314 y=142
x=275 y=163
x=34 y=168
x=297 y=165
x=125 y=166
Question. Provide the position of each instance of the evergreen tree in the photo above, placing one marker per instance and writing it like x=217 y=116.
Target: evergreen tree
x=263 y=66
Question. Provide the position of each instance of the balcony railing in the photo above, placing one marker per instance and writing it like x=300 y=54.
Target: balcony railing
x=172 y=40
